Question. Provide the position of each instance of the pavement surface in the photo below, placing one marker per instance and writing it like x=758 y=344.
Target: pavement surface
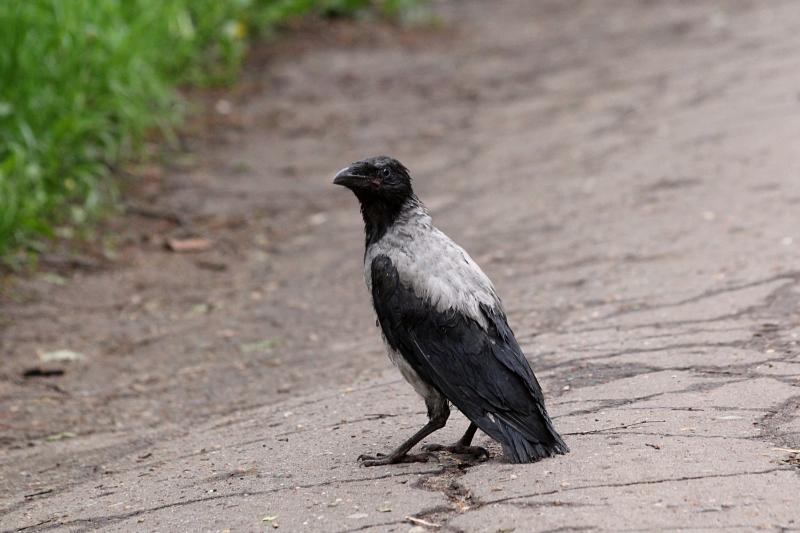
x=628 y=174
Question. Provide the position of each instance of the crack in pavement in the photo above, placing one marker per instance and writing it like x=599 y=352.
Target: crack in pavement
x=785 y=413
x=634 y=351
x=460 y=498
x=638 y=483
x=370 y=526
x=100 y=521
x=747 y=312
x=614 y=403
x=463 y=501
x=794 y=278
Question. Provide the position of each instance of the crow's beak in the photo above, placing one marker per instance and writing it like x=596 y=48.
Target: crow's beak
x=349 y=177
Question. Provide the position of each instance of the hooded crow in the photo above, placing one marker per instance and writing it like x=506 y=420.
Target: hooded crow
x=444 y=325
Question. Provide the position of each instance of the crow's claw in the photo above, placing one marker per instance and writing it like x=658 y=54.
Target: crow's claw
x=382 y=459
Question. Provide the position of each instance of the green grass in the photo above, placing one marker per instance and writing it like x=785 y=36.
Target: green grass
x=83 y=81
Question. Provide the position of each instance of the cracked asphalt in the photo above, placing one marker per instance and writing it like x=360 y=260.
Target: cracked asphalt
x=628 y=174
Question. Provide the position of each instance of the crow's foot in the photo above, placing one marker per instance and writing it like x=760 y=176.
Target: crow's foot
x=394 y=458
x=459 y=449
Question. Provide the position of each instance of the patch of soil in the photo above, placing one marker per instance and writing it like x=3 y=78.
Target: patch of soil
x=204 y=295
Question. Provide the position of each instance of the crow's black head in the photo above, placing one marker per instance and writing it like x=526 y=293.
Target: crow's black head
x=382 y=185
x=376 y=179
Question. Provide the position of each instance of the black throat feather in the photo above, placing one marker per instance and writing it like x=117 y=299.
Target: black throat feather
x=380 y=213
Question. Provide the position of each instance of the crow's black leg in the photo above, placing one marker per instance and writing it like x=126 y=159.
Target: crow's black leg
x=438 y=413
x=462 y=447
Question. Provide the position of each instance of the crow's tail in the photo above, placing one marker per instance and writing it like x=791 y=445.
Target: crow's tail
x=525 y=442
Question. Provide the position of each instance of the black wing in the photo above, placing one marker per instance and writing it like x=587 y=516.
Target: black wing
x=481 y=371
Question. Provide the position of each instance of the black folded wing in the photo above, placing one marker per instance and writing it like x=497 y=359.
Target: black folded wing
x=480 y=368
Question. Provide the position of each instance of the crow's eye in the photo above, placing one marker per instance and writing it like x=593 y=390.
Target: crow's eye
x=386 y=172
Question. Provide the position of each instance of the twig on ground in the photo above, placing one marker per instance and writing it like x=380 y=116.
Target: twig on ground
x=40 y=493
x=624 y=426
x=156 y=213
x=421 y=522
x=787 y=450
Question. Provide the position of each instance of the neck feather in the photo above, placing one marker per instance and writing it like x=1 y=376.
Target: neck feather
x=379 y=216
